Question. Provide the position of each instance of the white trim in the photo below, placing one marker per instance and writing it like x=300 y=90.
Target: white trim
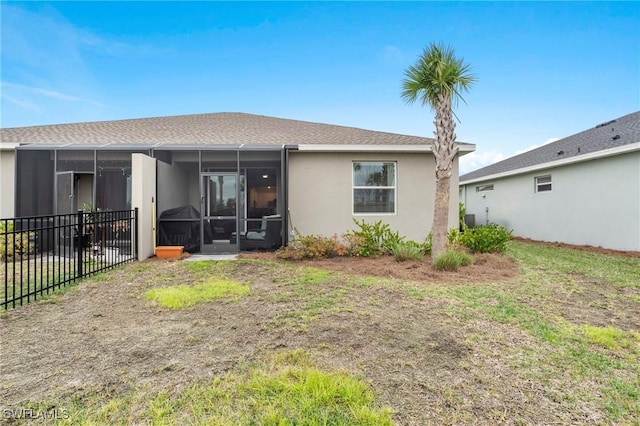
x=537 y=183
x=578 y=159
x=484 y=188
x=462 y=148
x=394 y=188
x=9 y=146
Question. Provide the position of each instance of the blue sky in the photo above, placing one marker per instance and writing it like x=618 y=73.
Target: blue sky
x=545 y=69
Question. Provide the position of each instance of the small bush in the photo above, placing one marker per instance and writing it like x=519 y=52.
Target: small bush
x=312 y=247
x=462 y=211
x=490 y=238
x=17 y=243
x=451 y=260
x=454 y=237
x=427 y=244
x=372 y=239
x=409 y=250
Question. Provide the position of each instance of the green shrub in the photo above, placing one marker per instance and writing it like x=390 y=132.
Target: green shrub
x=462 y=211
x=372 y=239
x=408 y=250
x=451 y=260
x=454 y=237
x=427 y=244
x=489 y=238
x=312 y=247
x=14 y=243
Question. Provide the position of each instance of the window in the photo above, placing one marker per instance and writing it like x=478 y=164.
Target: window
x=374 y=187
x=484 y=188
x=543 y=183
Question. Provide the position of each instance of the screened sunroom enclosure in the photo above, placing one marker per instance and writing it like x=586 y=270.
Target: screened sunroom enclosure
x=221 y=199
x=235 y=192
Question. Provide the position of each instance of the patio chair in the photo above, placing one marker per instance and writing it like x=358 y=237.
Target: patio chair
x=267 y=237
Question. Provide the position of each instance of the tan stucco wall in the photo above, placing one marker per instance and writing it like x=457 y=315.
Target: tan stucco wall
x=321 y=193
x=7 y=182
x=143 y=196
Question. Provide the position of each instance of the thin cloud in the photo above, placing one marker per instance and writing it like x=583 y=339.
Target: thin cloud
x=44 y=92
x=24 y=104
x=392 y=54
x=477 y=160
x=529 y=148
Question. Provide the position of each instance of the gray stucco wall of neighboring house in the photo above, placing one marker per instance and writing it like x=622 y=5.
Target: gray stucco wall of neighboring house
x=321 y=193
x=594 y=203
x=7 y=182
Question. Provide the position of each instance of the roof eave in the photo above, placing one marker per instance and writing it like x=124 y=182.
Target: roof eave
x=463 y=148
x=577 y=159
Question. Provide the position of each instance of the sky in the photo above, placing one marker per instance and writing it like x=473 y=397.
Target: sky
x=544 y=70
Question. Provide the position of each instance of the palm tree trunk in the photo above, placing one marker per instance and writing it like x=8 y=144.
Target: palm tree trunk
x=444 y=150
x=440 y=217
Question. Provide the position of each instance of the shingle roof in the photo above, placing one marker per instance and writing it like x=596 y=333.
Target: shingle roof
x=611 y=134
x=211 y=129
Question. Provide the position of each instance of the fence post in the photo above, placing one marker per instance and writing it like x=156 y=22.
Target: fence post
x=79 y=242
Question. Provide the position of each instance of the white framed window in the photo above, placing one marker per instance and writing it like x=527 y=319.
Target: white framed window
x=482 y=188
x=542 y=183
x=374 y=187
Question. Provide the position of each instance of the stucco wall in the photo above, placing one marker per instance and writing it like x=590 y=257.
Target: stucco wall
x=593 y=203
x=7 y=182
x=143 y=196
x=321 y=193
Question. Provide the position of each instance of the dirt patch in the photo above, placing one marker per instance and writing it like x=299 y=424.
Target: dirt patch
x=485 y=268
x=598 y=303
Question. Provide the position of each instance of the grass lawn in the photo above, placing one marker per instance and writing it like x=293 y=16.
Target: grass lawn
x=267 y=342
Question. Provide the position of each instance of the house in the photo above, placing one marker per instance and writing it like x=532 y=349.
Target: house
x=583 y=189
x=212 y=175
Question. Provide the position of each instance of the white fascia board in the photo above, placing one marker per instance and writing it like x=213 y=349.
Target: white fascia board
x=363 y=148
x=573 y=160
x=9 y=146
x=466 y=148
x=463 y=148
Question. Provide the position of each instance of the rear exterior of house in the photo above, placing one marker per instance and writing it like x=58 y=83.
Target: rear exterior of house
x=210 y=181
x=583 y=189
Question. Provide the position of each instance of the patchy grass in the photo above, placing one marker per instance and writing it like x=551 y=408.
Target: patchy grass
x=619 y=270
x=610 y=337
x=287 y=389
x=557 y=344
x=182 y=296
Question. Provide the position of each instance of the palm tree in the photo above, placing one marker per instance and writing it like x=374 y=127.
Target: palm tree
x=438 y=79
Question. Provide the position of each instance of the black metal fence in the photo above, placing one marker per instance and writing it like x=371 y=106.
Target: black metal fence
x=40 y=254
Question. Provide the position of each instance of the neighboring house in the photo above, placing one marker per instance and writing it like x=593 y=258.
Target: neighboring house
x=583 y=189
x=233 y=169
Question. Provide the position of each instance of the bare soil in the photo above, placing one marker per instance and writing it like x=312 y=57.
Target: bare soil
x=103 y=338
